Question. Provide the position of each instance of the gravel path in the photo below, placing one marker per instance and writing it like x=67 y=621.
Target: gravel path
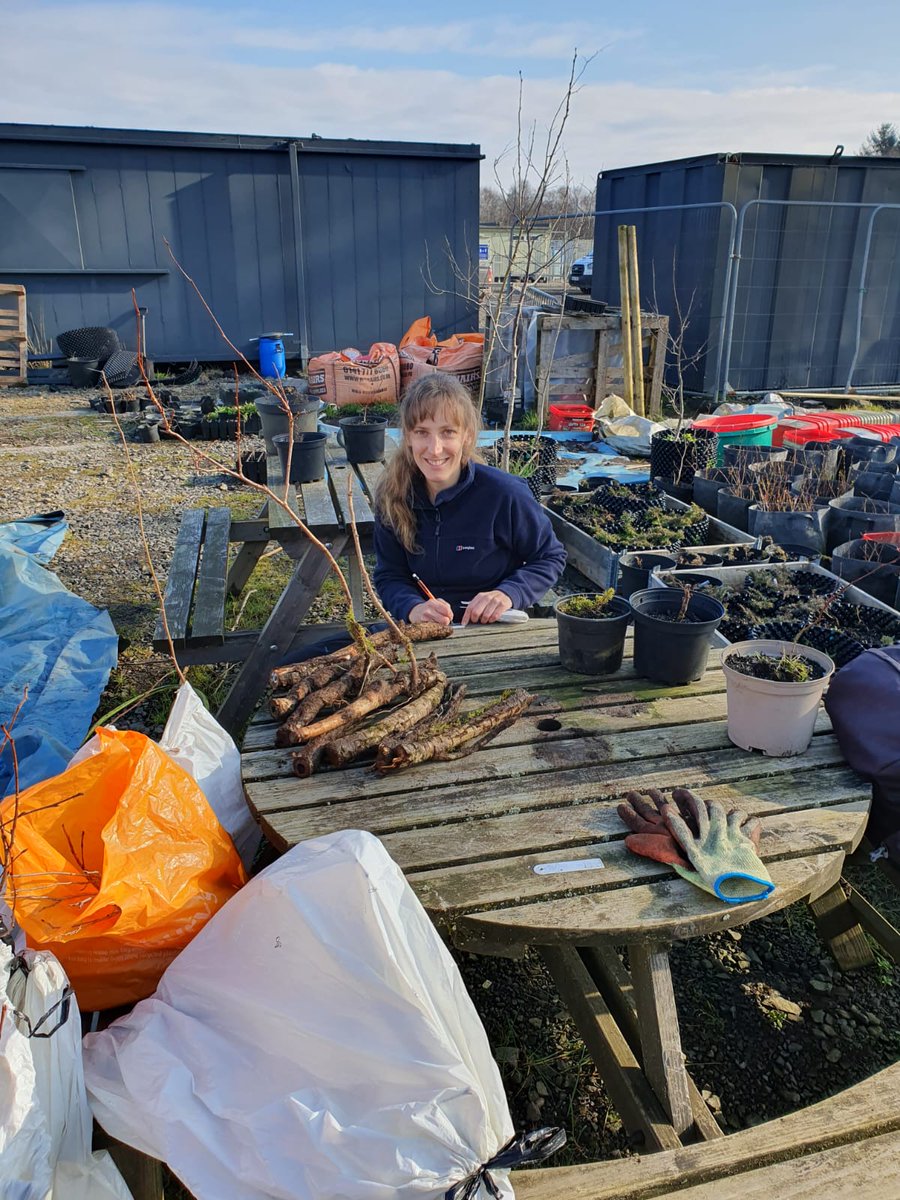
x=769 y=1025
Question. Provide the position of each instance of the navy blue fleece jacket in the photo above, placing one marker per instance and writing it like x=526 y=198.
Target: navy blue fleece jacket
x=486 y=532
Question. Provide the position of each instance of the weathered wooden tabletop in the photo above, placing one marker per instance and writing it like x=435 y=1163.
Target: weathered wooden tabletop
x=471 y=834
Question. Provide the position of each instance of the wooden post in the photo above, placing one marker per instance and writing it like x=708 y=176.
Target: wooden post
x=838 y=925
x=625 y=297
x=637 y=348
x=660 y=1037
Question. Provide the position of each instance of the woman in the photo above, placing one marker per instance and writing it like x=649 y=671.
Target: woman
x=474 y=535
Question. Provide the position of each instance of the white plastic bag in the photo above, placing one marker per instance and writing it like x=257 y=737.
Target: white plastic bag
x=45 y=1122
x=199 y=744
x=315 y=1041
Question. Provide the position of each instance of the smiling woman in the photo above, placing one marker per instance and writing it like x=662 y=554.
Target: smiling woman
x=473 y=535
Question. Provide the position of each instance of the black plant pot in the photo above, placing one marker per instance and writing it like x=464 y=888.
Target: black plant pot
x=877 y=485
x=827 y=459
x=363 y=440
x=667 y=650
x=681 y=491
x=593 y=645
x=794 y=528
x=849 y=517
x=635 y=567
x=872 y=566
x=733 y=509
x=307 y=456
x=83 y=372
x=738 y=456
x=706 y=486
x=680 y=457
x=706 y=559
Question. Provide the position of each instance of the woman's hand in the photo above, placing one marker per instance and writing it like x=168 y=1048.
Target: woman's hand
x=486 y=607
x=435 y=610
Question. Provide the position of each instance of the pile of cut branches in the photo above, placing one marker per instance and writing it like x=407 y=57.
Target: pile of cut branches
x=372 y=700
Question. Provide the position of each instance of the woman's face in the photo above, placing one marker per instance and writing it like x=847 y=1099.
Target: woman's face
x=436 y=444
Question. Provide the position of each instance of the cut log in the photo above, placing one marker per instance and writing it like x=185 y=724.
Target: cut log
x=344 y=749
x=306 y=761
x=447 y=710
x=461 y=737
x=294 y=673
x=326 y=697
x=378 y=693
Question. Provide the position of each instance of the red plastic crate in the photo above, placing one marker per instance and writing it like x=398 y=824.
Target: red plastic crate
x=579 y=417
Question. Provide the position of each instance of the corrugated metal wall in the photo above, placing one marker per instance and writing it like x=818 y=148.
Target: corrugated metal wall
x=795 y=310
x=84 y=216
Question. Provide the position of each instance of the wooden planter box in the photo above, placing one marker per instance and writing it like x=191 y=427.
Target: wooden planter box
x=600 y=563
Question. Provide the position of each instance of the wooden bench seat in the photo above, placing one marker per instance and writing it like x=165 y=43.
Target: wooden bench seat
x=846 y=1146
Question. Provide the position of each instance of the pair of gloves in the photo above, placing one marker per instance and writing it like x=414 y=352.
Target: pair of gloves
x=709 y=847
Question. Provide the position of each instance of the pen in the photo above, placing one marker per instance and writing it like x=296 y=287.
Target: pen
x=423 y=587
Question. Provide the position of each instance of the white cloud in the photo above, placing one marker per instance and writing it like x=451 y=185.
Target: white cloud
x=154 y=66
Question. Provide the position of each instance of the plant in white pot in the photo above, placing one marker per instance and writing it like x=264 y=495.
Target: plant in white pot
x=773 y=693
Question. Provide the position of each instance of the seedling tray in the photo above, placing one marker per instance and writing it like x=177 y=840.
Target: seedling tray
x=827 y=636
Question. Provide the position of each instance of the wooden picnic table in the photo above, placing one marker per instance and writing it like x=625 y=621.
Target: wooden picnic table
x=485 y=842
x=200 y=576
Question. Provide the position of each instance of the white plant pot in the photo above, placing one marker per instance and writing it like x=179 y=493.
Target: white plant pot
x=776 y=718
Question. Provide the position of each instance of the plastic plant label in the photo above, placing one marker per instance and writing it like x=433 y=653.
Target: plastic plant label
x=577 y=864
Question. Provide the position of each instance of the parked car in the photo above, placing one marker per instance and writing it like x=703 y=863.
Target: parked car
x=582 y=273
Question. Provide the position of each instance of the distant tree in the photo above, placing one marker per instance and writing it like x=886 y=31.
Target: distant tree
x=883 y=142
x=502 y=206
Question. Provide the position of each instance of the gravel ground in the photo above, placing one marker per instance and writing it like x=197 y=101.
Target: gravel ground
x=768 y=1023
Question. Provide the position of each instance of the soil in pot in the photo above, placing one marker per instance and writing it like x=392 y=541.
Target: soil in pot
x=363 y=438
x=673 y=631
x=773 y=691
x=592 y=628
x=697 y=558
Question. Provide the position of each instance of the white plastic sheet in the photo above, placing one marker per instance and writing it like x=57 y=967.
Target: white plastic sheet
x=315 y=1041
x=199 y=744
x=45 y=1122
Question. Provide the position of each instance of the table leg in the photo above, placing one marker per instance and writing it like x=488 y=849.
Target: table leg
x=277 y=633
x=614 y=982
x=246 y=559
x=660 y=1036
x=623 y=1078
x=839 y=927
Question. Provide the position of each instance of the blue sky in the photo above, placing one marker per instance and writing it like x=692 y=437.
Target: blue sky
x=666 y=80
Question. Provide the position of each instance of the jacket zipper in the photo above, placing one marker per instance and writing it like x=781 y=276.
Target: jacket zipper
x=437 y=538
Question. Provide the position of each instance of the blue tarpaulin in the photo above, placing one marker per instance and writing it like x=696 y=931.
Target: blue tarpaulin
x=53 y=644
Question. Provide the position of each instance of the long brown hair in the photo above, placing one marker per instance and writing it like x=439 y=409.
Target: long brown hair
x=425 y=399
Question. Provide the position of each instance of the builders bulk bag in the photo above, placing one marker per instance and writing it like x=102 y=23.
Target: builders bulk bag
x=120 y=860
x=350 y=377
x=461 y=357
x=314 y=1041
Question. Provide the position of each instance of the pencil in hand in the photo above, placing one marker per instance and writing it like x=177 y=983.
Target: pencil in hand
x=423 y=587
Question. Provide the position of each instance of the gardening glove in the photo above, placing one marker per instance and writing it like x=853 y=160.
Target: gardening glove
x=650 y=837
x=722 y=849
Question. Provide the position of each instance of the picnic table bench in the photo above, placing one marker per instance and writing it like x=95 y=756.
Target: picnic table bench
x=520 y=845
x=202 y=575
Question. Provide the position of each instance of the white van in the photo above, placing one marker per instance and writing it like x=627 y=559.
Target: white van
x=582 y=273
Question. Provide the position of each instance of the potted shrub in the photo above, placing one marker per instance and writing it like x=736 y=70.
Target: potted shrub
x=773 y=691
x=677 y=454
x=673 y=631
x=592 y=628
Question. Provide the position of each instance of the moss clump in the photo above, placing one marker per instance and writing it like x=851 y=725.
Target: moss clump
x=594 y=606
x=782 y=668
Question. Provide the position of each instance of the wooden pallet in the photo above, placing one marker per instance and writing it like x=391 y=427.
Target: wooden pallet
x=597 y=372
x=13 y=335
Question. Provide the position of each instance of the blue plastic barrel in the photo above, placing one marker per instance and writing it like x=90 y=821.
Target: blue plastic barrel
x=271 y=358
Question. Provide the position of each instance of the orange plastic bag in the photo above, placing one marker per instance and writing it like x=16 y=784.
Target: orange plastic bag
x=350 y=377
x=118 y=862
x=419 y=334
